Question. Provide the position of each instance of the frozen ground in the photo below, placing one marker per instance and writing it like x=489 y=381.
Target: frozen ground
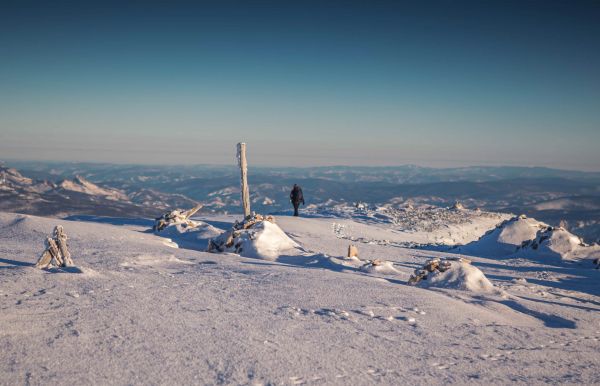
x=144 y=312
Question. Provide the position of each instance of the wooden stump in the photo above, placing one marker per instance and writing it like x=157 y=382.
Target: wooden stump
x=352 y=251
x=56 y=253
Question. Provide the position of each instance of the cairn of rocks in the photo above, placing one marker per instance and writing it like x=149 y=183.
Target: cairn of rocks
x=434 y=265
x=177 y=216
x=56 y=254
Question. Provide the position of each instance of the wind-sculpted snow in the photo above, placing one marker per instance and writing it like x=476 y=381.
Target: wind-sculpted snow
x=143 y=312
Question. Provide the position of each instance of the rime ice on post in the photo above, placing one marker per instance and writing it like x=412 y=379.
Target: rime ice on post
x=56 y=253
x=241 y=158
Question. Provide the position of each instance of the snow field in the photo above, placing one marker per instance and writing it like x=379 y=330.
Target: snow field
x=142 y=312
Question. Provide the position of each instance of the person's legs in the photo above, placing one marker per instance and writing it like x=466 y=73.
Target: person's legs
x=296 y=205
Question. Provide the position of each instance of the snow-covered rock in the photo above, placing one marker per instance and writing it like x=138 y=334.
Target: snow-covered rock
x=451 y=273
x=460 y=275
x=553 y=242
x=505 y=238
x=256 y=237
x=379 y=266
x=529 y=238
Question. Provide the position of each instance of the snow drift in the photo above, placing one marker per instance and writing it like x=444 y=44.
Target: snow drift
x=177 y=225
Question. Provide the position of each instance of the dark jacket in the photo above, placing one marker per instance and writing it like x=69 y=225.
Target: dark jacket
x=296 y=195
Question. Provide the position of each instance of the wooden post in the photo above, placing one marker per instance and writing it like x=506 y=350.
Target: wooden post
x=241 y=153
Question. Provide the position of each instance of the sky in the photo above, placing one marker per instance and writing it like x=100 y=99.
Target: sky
x=433 y=83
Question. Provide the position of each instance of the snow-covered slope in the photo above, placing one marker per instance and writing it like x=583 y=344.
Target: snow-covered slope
x=81 y=185
x=423 y=225
x=143 y=312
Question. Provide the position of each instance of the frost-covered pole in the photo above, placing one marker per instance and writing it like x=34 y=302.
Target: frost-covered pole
x=241 y=156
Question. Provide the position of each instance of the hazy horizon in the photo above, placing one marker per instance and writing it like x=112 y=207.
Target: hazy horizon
x=10 y=162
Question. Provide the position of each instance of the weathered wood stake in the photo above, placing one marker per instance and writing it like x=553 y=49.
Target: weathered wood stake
x=241 y=153
x=56 y=253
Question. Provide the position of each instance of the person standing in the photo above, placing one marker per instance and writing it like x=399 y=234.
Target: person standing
x=296 y=197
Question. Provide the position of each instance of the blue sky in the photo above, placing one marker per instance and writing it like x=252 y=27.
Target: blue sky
x=441 y=83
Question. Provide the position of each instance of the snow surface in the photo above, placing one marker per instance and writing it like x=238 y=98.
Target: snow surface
x=143 y=312
x=424 y=225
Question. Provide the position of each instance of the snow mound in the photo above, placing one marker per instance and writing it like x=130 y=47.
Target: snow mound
x=505 y=238
x=379 y=266
x=455 y=273
x=191 y=235
x=460 y=275
x=177 y=226
x=256 y=237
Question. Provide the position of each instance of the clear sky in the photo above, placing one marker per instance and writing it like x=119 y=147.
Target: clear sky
x=441 y=83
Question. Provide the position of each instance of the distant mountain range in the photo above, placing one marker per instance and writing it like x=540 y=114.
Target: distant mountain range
x=553 y=196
